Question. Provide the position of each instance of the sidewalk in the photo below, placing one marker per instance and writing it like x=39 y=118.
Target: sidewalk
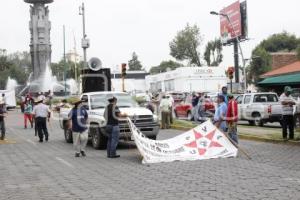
x=265 y=134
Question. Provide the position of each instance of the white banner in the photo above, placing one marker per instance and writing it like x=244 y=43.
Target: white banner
x=203 y=142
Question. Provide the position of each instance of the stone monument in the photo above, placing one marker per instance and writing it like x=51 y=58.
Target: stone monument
x=40 y=46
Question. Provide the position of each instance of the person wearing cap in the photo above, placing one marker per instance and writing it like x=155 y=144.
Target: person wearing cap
x=287 y=103
x=232 y=118
x=112 y=115
x=78 y=117
x=41 y=112
x=220 y=114
x=2 y=117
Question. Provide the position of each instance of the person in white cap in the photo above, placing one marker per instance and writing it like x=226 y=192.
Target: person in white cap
x=41 y=112
x=78 y=117
x=2 y=116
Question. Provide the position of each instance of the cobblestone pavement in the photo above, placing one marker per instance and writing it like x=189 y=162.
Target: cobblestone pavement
x=33 y=170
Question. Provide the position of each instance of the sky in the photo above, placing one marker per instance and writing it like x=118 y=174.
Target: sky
x=116 y=28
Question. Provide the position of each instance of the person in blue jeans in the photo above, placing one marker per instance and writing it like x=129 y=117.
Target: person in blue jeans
x=112 y=115
x=220 y=114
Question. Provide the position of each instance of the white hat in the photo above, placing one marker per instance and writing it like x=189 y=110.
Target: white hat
x=39 y=99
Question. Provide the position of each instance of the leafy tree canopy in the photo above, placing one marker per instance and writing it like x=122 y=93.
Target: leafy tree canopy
x=134 y=64
x=164 y=66
x=213 y=53
x=185 y=45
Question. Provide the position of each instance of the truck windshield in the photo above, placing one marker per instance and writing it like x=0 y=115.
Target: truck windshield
x=265 y=98
x=100 y=100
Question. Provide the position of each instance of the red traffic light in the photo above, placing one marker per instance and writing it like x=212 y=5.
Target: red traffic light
x=230 y=72
x=123 y=65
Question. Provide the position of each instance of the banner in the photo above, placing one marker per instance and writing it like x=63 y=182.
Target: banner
x=203 y=142
x=231 y=27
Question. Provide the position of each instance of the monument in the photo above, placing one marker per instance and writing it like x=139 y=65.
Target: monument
x=40 y=46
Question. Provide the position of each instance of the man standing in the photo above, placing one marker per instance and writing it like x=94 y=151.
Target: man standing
x=171 y=99
x=2 y=122
x=112 y=115
x=78 y=117
x=224 y=93
x=165 y=106
x=287 y=103
x=220 y=114
x=41 y=112
x=195 y=101
x=232 y=118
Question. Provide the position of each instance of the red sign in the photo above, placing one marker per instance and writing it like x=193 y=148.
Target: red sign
x=230 y=27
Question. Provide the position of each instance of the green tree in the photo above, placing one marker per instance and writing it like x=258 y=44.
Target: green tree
x=164 y=66
x=262 y=59
x=185 y=45
x=134 y=64
x=298 y=52
x=213 y=50
x=12 y=65
x=58 y=69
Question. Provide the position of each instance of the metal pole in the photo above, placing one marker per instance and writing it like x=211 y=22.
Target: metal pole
x=83 y=32
x=236 y=61
x=65 y=75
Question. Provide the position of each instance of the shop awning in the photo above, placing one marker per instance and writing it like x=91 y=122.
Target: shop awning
x=290 y=79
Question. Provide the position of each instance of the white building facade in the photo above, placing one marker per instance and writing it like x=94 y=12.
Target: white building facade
x=188 y=79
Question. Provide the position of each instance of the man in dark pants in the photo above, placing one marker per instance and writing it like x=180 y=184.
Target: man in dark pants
x=41 y=112
x=287 y=103
x=112 y=115
x=2 y=122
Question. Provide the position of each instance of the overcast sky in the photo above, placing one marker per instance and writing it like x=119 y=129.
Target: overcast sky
x=116 y=28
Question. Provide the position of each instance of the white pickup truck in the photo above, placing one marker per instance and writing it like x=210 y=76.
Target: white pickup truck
x=95 y=103
x=259 y=108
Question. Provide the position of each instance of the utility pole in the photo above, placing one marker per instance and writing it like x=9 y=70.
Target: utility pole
x=85 y=43
x=65 y=73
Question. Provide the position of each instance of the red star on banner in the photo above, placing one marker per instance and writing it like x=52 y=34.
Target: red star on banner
x=199 y=136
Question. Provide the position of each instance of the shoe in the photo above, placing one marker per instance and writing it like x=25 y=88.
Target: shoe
x=77 y=154
x=115 y=156
x=46 y=139
x=83 y=153
x=25 y=127
x=40 y=140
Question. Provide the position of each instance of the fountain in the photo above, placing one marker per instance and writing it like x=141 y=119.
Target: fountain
x=11 y=84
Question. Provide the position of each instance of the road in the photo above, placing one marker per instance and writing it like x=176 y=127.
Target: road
x=49 y=170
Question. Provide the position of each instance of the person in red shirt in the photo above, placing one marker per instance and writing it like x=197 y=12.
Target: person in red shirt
x=232 y=118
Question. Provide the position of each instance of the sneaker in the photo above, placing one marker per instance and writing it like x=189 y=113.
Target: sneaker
x=83 y=153
x=77 y=154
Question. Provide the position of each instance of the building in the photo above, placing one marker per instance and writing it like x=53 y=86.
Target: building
x=188 y=79
x=134 y=81
x=278 y=78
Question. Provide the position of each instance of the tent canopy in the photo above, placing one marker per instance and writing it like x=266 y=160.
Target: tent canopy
x=290 y=79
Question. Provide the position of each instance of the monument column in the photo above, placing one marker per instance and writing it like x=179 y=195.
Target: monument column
x=40 y=46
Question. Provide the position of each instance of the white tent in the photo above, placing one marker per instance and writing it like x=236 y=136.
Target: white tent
x=10 y=98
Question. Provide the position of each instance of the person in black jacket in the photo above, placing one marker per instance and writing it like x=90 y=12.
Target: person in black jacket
x=112 y=115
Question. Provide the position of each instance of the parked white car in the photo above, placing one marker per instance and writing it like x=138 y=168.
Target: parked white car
x=95 y=104
x=259 y=108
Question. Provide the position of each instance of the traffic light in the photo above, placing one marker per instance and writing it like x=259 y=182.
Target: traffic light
x=123 y=73
x=230 y=72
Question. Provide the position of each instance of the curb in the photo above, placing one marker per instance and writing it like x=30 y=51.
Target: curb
x=249 y=137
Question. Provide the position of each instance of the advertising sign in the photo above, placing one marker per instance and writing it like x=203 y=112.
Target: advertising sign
x=202 y=142
x=230 y=27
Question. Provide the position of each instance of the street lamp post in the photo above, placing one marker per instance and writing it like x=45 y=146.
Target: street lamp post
x=85 y=42
x=236 y=46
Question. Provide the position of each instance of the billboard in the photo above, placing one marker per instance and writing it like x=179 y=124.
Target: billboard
x=236 y=23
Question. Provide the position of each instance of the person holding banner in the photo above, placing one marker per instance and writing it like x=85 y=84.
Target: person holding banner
x=220 y=114
x=112 y=115
x=165 y=107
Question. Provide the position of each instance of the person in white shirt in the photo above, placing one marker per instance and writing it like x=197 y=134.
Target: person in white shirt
x=171 y=100
x=165 y=106
x=287 y=103
x=41 y=112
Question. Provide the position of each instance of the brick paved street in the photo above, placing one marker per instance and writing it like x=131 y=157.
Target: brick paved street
x=32 y=170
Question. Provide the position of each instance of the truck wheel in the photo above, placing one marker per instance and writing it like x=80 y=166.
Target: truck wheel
x=152 y=137
x=257 y=120
x=251 y=122
x=99 y=141
x=68 y=135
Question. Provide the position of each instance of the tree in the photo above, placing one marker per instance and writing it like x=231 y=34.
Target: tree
x=298 y=52
x=185 y=45
x=164 y=66
x=213 y=50
x=134 y=64
x=262 y=59
x=58 y=69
